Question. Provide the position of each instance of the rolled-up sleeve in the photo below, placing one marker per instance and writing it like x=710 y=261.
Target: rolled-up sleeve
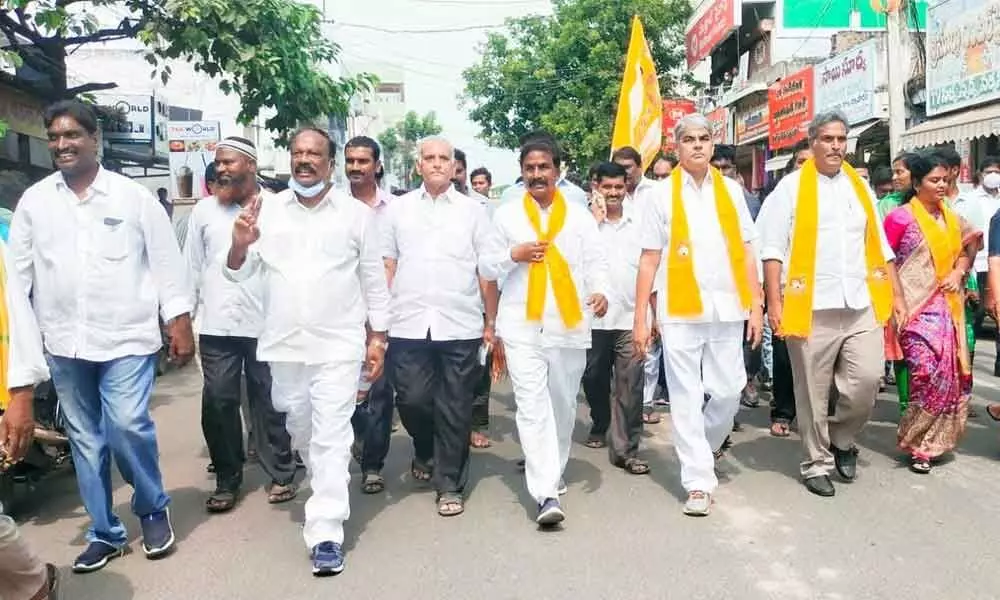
x=26 y=365
x=496 y=263
x=372 y=271
x=775 y=224
x=165 y=261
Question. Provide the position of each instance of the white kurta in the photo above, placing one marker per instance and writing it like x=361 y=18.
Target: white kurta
x=702 y=355
x=545 y=360
x=322 y=277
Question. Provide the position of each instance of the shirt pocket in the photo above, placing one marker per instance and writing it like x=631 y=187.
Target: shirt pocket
x=113 y=238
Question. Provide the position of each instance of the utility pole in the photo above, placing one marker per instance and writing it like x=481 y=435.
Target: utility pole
x=898 y=50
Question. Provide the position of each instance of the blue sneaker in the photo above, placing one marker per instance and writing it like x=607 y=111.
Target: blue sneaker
x=328 y=559
x=96 y=557
x=157 y=534
x=550 y=513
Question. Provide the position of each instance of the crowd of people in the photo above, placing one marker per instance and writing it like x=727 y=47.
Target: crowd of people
x=328 y=309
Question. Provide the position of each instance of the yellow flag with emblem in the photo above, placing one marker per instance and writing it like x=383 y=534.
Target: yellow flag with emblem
x=640 y=107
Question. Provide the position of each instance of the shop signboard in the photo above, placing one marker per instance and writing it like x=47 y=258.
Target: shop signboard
x=790 y=106
x=719 y=118
x=673 y=111
x=848 y=82
x=192 y=147
x=963 y=54
x=22 y=113
x=750 y=122
x=711 y=28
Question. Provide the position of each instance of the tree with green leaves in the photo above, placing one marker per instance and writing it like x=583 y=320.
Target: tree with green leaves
x=399 y=144
x=270 y=53
x=563 y=72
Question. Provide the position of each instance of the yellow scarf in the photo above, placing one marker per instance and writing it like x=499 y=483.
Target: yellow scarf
x=684 y=296
x=4 y=337
x=554 y=266
x=945 y=244
x=796 y=317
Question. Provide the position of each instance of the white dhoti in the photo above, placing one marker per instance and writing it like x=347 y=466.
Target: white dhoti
x=546 y=382
x=702 y=359
x=318 y=402
x=651 y=375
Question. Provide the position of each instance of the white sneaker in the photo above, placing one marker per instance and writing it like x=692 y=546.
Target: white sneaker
x=562 y=487
x=698 y=504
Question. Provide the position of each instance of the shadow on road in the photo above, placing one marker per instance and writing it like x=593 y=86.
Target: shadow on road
x=104 y=584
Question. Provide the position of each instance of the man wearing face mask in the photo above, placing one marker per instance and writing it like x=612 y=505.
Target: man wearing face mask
x=373 y=417
x=230 y=319
x=316 y=251
x=989 y=197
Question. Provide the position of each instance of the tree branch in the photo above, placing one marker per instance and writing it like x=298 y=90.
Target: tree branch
x=12 y=25
x=90 y=87
x=102 y=35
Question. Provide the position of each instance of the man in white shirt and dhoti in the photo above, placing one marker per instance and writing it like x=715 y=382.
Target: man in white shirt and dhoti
x=709 y=286
x=317 y=252
x=555 y=280
x=830 y=287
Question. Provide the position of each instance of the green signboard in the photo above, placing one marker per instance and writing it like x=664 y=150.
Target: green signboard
x=836 y=14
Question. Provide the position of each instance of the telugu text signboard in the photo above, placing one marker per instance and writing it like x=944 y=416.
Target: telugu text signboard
x=848 y=82
x=790 y=105
x=963 y=54
x=711 y=29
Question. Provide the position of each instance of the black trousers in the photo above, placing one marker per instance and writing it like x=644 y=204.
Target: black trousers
x=372 y=423
x=612 y=383
x=224 y=361
x=434 y=383
x=481 y=397
x=782 y=387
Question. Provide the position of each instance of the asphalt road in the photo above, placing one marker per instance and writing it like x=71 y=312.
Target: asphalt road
x=891 y=534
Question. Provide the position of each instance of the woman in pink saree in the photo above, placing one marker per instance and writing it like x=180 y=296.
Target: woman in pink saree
x=934 y=251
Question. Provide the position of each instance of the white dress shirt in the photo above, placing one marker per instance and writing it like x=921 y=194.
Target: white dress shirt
x=623 y=248
x=25 y=360
x=580 y=244
x=570 y=190
x=322 y=278
x=719 y=296
x=841 y=269
x=382 y=200
x=978 y=207
x=648 y=190
x=436 y=243
x=99 y=268
x=225 y=308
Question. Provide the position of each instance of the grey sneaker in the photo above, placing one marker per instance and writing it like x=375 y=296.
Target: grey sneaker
x=698 y=504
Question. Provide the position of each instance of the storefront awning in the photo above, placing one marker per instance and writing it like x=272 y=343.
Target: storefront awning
x=776 y=163
x=735 y=96
x=965 y=125
x=856 y=132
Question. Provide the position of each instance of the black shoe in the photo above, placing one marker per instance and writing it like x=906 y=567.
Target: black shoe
x=96 y=557
x=820 y=485
x=996 y=369
x=846 y=462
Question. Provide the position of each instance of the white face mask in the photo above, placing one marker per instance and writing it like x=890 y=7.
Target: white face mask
x=991 y=181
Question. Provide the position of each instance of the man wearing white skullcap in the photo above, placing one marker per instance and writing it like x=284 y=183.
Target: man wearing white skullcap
x=231 y=321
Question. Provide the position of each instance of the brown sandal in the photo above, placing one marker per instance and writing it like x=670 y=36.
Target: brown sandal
x=221 y=501
x=595 y=443
x=282 y=493
x=450 y=505
x=780 y=429
x=635 y=466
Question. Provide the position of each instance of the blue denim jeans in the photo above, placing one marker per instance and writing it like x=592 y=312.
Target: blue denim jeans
x=106 y=410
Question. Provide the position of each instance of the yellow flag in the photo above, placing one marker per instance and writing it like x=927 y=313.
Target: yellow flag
x=640 y=107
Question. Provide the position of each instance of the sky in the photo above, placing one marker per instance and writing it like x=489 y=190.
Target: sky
x=432 y=62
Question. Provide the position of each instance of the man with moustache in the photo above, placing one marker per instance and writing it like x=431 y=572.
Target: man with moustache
x=638 y=186
x=372 y=419
x=710 y=288
x=613 y=377
x=98 y=256
x=555 y=274
x=567 y=188
x=433 y=238
x=830 y=289
x=461 y=179
x=482 y=181
x=231 y=321
x=316 y=251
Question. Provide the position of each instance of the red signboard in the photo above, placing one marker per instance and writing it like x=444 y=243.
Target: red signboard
x=790 y=105
x=710 y=30
x=673 y=111
x=719 y=118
